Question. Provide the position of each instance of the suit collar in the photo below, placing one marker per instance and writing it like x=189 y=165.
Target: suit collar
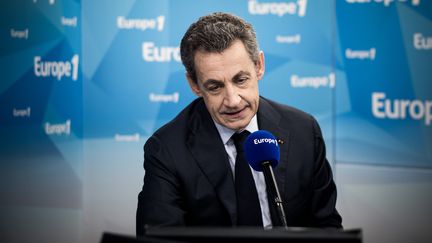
x=226 y=133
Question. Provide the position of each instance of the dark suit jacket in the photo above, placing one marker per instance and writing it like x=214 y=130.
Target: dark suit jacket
x=188 y=180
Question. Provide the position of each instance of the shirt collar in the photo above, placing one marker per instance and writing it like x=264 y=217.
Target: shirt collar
x=226 y=133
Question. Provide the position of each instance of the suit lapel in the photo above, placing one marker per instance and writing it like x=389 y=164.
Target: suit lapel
x=269 y=119
x=208 y=150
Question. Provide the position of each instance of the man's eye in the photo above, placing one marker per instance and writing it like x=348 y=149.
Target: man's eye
x=213 y=88
x=242 y=80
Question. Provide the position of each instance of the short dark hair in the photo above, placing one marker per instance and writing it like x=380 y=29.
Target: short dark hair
x=215 y=33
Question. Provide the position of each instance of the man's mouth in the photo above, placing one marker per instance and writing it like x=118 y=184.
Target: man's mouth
x=234 y=113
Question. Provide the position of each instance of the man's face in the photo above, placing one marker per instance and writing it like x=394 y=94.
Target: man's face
x=228 y=83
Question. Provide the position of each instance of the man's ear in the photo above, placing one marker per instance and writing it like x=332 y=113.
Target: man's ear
x=260 y=66
x=193 y=85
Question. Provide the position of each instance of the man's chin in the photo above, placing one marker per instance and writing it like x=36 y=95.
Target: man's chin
x=236 y=125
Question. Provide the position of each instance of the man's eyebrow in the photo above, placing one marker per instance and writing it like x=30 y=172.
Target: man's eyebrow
x=239 y=74
x=211 y=81
x=235 y=77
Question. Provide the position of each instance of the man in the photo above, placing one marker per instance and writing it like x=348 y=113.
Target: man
x=190 y=163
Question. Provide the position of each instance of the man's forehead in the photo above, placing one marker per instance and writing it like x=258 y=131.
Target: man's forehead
x=222 y=65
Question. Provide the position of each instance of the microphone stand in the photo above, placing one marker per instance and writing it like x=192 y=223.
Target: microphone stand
x=273 y=190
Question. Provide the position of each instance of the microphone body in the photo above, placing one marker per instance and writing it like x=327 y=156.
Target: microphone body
x=273 y=191
x=262 y=153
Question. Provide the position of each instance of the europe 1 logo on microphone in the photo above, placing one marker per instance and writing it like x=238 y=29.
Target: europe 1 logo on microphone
x=265 y=140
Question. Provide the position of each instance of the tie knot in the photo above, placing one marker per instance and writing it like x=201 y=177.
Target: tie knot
x=239 y=139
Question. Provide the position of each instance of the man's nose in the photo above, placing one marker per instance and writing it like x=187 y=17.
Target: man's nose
x=232 y=96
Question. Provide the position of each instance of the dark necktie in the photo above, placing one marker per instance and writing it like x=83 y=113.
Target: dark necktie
x=248 y=207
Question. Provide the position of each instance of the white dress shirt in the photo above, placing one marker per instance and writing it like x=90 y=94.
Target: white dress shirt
x=225 y=134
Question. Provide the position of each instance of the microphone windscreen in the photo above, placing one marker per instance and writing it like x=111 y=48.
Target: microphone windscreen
x=261 y=146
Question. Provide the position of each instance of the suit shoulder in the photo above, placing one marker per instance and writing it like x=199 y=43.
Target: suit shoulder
x=290 y=112
x=178 y=126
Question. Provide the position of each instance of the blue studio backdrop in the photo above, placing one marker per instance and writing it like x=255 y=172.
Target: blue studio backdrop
x=85 y=83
